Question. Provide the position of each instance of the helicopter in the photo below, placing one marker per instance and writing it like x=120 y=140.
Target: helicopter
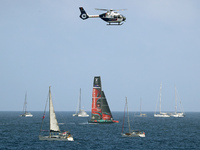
x=113 y=18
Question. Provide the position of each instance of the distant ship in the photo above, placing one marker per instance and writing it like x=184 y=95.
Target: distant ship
x=100 y=112
x=80 y=112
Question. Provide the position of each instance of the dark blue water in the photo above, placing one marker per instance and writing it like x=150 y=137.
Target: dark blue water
x=161 y=133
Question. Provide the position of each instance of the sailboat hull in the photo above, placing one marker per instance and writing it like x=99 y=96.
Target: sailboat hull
x=55 y=138
x=103 y=121
x=178 y=115
x=133 y=134
x=26 y=115
x=82 y=113
x=161 y=115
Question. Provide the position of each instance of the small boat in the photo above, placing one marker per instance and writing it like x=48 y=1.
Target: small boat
x=25 y=113
x=100 y=112
x=161 y=114
x=141 y=114
x=176 y=114
x=54 y=131
x=80 y=112
x=131 y=133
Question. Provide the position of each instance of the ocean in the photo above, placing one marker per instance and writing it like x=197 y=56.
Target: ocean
x=161 y=133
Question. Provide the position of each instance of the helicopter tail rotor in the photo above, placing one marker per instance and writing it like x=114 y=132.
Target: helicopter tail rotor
x=83 y=14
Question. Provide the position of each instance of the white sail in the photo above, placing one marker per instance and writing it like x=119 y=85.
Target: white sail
x=53 y=121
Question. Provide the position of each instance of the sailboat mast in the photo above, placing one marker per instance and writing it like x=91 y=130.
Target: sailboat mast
x=80 y=101
x=44 y=114
x=123 y=118
x=128 y=117
x=160 y=96
x=24 y=108
x=140 y=105
x=49 y=112
x=175 y=101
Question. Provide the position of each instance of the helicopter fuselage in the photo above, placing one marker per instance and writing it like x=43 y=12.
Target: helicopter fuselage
x=113 y=18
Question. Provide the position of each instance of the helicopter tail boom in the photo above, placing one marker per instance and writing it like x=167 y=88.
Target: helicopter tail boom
x=84 y=15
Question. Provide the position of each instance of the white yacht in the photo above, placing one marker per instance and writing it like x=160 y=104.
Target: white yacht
x=177 y=114
x=25 y=113
x=161 y=114
x=80 y=112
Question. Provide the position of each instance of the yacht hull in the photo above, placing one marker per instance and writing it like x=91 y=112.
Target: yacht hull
x=134 y=134
x=55 y=138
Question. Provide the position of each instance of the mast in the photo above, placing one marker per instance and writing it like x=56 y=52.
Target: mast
x=128 y=117
x=123 y=118
x=160 y=96
x=175 y=101
x=140 y=105
x=49 y=112
x=180 y=104
x=80 y=101
x=25 y=102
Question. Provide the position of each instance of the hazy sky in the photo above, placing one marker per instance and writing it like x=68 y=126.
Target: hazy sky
x=44 y=42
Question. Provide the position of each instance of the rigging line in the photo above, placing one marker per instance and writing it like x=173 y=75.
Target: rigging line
x=157 y=103
x=123 y=118
x=24 y=106
x=128 y=117
x=180 y=103
x=44 y=113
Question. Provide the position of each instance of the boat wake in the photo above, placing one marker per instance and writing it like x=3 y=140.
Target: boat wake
x=83 y=123
x=61 y=123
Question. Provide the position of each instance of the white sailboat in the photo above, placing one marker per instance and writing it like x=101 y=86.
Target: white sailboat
x=80 y=112
x=131 y=133
x=161 y=114
x=54 y=130
x=141 y=114
x=176 y=114
x=25 y=113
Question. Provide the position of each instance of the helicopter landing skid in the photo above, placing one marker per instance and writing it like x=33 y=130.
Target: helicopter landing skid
x=115 y=24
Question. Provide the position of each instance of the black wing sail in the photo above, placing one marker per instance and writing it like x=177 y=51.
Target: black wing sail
x=106 y=113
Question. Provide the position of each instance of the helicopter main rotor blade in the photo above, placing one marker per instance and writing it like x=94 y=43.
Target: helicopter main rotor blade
x=110 y=9
x=120 y=9
x=103 y=9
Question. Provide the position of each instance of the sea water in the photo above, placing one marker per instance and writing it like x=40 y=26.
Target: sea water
x=161 y=133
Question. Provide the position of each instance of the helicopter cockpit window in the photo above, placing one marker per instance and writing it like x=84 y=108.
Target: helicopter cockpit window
x=115 y=16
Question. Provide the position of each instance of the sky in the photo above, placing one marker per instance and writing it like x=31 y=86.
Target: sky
x=45 y=43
